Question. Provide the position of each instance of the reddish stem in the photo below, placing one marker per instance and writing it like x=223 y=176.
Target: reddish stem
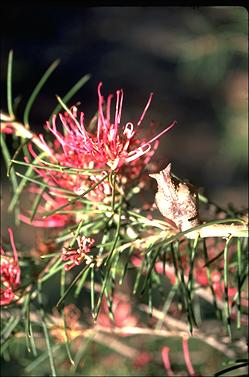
x=166 y=361
x=13 y=244
x=187 y=357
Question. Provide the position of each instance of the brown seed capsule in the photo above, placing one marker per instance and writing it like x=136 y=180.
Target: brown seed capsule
x=177 y=201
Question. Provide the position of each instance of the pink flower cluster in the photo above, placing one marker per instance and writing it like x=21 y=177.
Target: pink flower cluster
x=111 y=147
x=10 y=274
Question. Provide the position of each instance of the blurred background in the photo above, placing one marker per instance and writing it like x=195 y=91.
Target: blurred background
x=194 y=59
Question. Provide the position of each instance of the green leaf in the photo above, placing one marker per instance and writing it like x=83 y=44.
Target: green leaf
x=138 y=277
x=72 y=201
x=81 y=283
x=167 y=304
x=239 y=282
x=9 y=85
x=12 y=160
x=116 y=238
x=64 y=320
x=38 y=182
x=46 y=333
x=56 y=267
x=62 y=298
x=34 y=364
x=49 y=166
x=36 y=204
x=92 y=290
x=10 y=326
x=226 y=308
x=125 y=266
x=37 y=90
x=6 y=156
x=30 y=342
x=207 y=264
x=103 y=288
x=21 y=186
x=70 y=94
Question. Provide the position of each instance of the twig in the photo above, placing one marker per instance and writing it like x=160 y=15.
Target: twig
x=220 y=230
x=23 y=132
x=209 y=339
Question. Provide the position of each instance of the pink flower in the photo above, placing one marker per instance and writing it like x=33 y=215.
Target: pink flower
x=77 y=256
x=10 y=274
x=112 y=146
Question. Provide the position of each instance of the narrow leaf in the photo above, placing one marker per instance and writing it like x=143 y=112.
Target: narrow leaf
x=70 y=94
x=9 y=85
x=37 y=90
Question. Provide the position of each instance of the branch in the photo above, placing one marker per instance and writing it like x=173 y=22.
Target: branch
x=220 y=230
x=209 y=339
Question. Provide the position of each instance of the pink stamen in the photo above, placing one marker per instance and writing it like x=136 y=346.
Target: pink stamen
x=55 y=132
x=13 y=244
x=145 y=109
x=101 y=115
x=82 y=128
x=108 y=108
x=46 y=147
x=120 y=105
x=133 y=155
x=31 y=151
x=119 y=102
x=151 y=152
x=64 y=122
x=138 y=153
x=159 y=135
x=128 y=131
x=187 y=357
x=117 y=109
x=74 y=111
x=166 y=361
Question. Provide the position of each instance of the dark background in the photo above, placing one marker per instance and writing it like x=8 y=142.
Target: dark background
x=193 y=58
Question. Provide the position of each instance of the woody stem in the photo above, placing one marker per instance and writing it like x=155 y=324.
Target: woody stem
x=220 y=230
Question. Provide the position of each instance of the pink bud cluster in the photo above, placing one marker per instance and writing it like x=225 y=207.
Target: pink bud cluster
x=77 y=256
